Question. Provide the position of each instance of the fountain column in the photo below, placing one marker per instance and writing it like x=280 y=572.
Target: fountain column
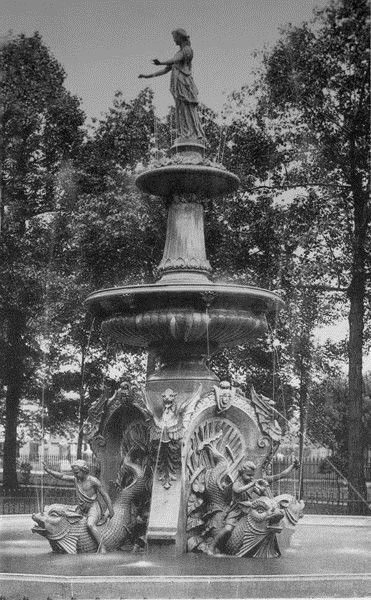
x=184 y=257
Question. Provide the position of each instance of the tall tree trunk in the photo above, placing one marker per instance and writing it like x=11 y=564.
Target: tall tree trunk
x=356 y=294
x=14 y=382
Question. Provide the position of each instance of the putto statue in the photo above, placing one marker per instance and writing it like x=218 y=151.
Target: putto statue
x=88 y=491
x=183 y=89
x=82 y=528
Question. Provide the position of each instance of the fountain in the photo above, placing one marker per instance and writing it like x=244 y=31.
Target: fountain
x=202 y=447
x=186 y=462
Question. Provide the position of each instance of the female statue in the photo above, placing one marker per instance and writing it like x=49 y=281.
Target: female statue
x=183 y=88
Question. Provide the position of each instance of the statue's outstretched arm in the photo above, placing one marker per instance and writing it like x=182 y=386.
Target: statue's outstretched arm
x=168 y=65
x=58 y=474
x=294 y=465
x=238 y=488
x=157 y=73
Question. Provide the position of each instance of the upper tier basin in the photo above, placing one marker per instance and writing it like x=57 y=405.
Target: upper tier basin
x=187 y=179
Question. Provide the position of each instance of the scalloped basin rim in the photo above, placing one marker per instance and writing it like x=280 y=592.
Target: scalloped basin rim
x=240 y=291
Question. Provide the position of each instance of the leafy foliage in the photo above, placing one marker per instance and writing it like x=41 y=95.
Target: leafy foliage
x=40 y=132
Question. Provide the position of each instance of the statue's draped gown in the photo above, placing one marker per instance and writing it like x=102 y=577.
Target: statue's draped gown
x=185 y=92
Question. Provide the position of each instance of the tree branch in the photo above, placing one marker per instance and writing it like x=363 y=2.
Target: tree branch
x=321 y=287
x=299 y=185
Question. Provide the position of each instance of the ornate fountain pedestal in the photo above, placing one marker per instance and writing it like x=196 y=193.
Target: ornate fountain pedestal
x=201 y=442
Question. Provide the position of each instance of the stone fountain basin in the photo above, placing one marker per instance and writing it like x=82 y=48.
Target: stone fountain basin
x=145 y=315
x=187 y=179
x=328 y=557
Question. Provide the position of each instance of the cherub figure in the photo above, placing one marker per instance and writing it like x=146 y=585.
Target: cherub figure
x=245 y=489
x=88 y=490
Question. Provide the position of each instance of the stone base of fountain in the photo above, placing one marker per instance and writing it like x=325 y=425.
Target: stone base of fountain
x=328 y=558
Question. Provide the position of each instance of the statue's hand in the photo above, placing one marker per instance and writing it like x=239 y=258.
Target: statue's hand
x=156 y=62
x=46 y=468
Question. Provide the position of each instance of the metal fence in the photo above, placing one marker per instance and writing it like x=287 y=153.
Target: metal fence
x=32 y=499
x=55 y=462
x=324 y=490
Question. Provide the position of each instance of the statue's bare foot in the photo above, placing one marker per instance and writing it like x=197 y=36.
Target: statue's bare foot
x=102 y=549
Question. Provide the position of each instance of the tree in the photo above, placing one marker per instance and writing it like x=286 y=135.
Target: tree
x=108 y=234
x=328 y=414
x=40 y=134
x=318 y=75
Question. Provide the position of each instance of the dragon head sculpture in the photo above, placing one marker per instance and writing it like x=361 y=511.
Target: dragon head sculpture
x=255 y=533
x=265 y=514
x=60 y=525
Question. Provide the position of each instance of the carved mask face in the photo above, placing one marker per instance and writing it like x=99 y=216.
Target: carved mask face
x=168 y=398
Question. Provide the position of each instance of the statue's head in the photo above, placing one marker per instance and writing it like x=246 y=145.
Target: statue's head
x=247 y=469
x=180 y=35
x=79 y=466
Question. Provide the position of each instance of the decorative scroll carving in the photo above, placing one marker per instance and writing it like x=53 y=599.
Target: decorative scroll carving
x=102 y=410
x=185 y=158
x=170 y=425
x=96 y=412
x=136 y=437
x=229 y=510
x=169 y=463
x=166 y=433
x=215 y=450
x=191 y=263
